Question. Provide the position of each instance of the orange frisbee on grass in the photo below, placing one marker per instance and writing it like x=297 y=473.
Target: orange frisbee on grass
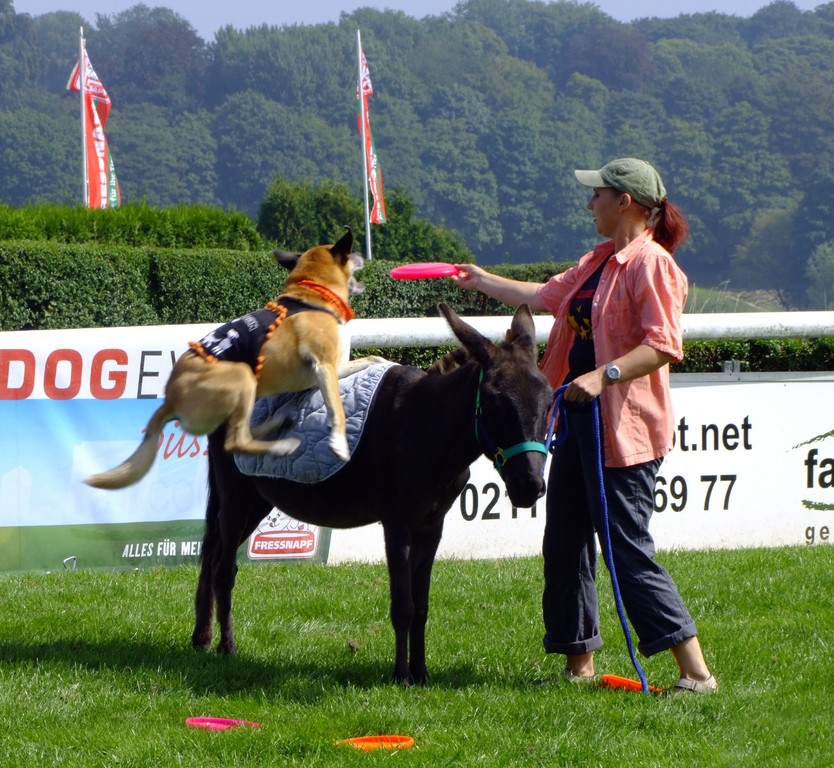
x=625 y=684
x=370 y=743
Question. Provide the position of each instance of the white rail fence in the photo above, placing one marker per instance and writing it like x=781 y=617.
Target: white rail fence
x=433 y=331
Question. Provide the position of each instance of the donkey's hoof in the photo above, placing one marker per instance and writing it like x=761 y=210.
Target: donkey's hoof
x=420 y=677
x=201 y=642
x=403 y=678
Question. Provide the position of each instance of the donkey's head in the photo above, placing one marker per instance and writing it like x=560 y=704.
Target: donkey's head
x=512 y=401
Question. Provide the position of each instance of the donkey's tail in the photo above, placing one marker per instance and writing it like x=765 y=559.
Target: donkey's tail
x=139 y=463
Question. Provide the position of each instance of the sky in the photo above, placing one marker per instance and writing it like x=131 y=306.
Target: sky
x=207 y=16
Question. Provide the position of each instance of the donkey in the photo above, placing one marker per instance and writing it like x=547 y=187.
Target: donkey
x=423 y=430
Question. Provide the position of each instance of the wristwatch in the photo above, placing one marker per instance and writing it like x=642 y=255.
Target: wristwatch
x=613 y=373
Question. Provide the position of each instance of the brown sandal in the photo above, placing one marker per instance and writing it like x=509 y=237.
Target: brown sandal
x=572 y=677
x=710 y=685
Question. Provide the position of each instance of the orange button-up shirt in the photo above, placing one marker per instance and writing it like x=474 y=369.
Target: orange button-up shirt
x=639 y=300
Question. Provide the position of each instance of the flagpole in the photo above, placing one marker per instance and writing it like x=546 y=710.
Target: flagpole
x=362 y=112
x=82 y=73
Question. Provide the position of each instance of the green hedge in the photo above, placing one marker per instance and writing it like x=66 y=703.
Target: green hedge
x=52 y=285
x=761 y=355
x=49 y=285
x=68 y=285
x=213 y=286
x=137 y=225
x=386 y=297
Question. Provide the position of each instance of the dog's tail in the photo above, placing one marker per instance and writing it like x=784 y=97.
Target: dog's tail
x=134 y=468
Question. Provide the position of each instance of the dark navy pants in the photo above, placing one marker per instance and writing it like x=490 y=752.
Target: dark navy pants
x=569 y=603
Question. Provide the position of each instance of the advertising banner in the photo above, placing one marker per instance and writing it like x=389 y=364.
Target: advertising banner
x=73 y=403
x=753 y=465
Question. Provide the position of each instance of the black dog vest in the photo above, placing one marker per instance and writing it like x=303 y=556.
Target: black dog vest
x=240 y=340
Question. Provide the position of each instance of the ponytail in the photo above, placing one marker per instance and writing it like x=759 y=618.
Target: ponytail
x=670 y=226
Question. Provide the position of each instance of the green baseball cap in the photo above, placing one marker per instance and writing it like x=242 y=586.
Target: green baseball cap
x=628 y=174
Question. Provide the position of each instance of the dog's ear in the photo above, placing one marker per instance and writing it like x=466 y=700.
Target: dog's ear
x=343 y=247
x=286 y=259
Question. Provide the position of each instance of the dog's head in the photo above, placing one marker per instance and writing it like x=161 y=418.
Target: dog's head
x=332 y=265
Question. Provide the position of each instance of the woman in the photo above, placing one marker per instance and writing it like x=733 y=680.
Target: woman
x=618 y=326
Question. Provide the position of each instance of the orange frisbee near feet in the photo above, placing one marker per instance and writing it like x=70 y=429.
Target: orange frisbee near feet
x=218 y=723
x=624 y=683
x=370 y=743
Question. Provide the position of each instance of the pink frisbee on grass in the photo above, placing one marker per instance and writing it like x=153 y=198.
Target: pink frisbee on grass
x=424 y=269
x=218 y=723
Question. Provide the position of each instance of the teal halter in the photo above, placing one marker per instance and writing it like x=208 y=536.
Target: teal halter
x=499 y=456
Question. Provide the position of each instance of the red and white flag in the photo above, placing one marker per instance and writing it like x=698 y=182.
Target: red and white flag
x=364 y=90
x=101 y=187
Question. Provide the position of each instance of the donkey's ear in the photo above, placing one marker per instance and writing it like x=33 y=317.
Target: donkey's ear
x=522 y=333
x=286 y=259
x=476 y=344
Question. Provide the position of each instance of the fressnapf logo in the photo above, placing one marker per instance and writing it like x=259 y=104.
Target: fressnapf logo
x=279 y=537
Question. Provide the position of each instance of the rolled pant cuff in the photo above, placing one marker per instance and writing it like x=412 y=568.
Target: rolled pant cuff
x=669 y=641
x=572 y=649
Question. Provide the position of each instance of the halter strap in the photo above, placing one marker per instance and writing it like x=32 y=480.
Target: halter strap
x=499 y=455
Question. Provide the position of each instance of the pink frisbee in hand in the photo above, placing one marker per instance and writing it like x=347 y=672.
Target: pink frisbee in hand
x=424 y=269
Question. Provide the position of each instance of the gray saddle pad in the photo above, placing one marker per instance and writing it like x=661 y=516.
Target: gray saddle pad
x=313 y=461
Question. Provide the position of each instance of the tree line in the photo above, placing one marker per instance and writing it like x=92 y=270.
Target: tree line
x=479 y=117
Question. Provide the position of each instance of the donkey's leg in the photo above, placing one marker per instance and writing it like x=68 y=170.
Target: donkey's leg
x=239 y=508
x=224 y=569
x=423 y=551
x=398 y=554
x=204 y=599
x=238 y=518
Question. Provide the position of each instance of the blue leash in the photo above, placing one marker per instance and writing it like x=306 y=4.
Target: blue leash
x=552 y=441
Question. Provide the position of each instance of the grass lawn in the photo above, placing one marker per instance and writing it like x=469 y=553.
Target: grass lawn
x=721 y=299
x=96 y=669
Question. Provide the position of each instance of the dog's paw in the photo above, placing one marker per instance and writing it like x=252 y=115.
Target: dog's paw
x=339 y=446
x=270 y=427
x=285 y=447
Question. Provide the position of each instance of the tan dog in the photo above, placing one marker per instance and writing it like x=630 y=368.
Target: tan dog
x=291 y=345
